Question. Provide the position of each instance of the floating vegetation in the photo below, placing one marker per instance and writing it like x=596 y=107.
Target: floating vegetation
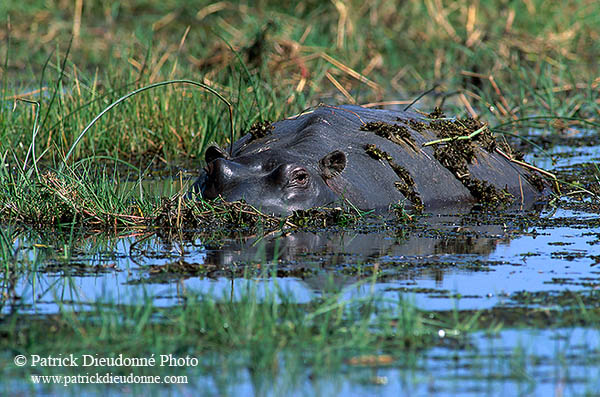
x=98 y=202
x=322 y=217
x=277 y=343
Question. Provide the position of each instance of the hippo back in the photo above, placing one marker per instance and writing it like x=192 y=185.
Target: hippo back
x=390 y=157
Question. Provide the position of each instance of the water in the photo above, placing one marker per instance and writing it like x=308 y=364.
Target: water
x=484 y=264
x=444 y=262
x=514 y=362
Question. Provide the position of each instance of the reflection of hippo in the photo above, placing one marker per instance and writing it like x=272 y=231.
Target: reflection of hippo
x=437 y=249
x=371 y=158
x=330 y=248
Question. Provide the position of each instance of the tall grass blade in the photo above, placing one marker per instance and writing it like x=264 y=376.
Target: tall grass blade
x=148 y=87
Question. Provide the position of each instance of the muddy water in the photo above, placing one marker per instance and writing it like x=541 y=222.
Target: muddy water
x=467 y=260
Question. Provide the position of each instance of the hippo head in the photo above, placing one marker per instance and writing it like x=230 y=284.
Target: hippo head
x=274 y=180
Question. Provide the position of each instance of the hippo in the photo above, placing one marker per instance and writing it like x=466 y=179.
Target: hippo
x=369 y=158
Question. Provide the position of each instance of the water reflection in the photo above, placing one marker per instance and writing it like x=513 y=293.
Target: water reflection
x=438 y=257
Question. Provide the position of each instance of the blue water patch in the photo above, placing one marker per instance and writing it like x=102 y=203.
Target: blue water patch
x=466 y=272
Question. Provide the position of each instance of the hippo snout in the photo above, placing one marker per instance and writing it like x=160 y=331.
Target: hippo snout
x=218 y=175
x=226 y=178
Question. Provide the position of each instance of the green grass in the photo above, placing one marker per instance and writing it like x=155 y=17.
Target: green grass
x=519 y=65
x=262 y=325
x=105 y=197
x=265 y=331
x=541 y=56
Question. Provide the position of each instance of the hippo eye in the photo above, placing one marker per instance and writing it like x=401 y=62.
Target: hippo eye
x=299 y=177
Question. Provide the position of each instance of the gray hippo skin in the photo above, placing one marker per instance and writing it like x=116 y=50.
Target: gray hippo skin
x=371 y=158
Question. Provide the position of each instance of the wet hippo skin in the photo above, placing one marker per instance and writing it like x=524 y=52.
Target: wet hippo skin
x=371 y=158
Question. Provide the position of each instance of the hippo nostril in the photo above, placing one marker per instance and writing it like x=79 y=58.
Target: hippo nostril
x=213 y=153
x=209 y=168
x=219 y=177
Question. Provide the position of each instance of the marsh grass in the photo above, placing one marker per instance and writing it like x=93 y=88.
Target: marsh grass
x=502 y=62
x=109 y=198
x=531 y=67
x=259 y=322
x=262 y=329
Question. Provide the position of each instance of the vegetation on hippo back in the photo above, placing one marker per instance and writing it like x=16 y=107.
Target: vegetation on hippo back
x=75 y=197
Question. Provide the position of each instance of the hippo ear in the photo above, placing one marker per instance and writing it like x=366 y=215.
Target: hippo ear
x=332 y=164
x=214 y=152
